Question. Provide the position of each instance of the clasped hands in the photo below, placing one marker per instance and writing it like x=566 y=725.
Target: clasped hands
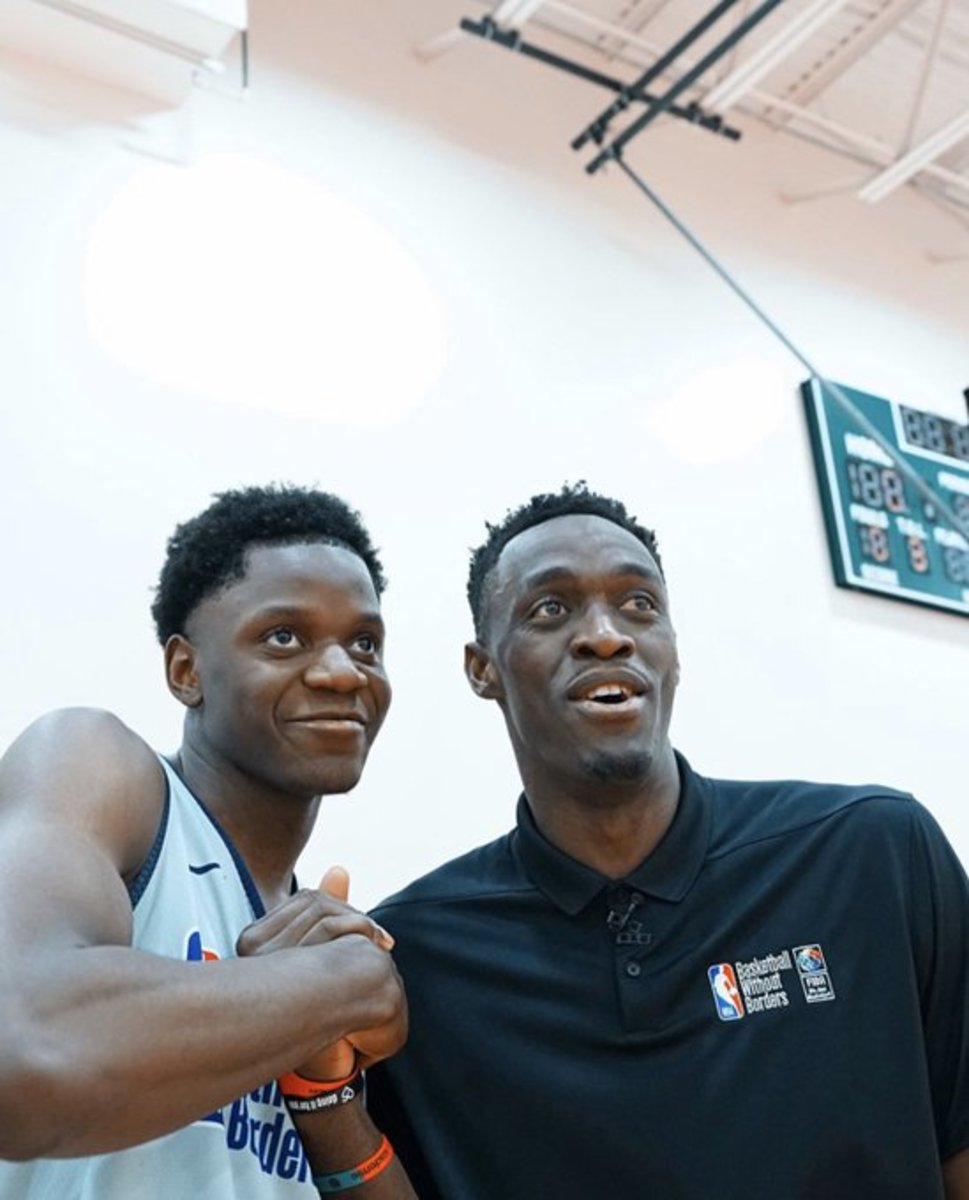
x=314 y=917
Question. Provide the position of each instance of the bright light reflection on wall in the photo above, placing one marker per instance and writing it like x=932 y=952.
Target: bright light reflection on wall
x=247 y=283
x=722 y=413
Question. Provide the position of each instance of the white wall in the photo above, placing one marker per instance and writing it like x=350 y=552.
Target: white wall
x=173 y=328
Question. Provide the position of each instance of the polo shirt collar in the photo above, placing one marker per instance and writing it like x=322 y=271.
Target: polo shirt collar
x=666 y=874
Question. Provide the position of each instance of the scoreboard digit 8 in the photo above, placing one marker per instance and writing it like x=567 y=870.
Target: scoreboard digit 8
x=884 y=536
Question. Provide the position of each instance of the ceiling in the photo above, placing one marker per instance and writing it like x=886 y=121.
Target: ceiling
x=882 y=84
x=156 y=48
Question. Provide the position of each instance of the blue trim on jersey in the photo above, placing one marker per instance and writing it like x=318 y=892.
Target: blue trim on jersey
x=252 y=892
x=136 y=888
x=245 y=879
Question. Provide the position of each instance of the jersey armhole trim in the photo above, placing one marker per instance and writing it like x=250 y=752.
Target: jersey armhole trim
x=136 y=888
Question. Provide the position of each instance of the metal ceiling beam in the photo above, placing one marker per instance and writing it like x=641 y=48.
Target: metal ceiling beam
x=851 y=48
x=928 y=63
x=920 y=156
x=609 y=28
x=774 y=51
x=439 y=45
x=640 y=15
x=880 y=152
x=512 y=14
x=821 y=193
x=566 y=19
x=863 y=142
x=877 y=151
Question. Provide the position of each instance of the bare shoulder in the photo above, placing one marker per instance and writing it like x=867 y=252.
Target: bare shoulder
x=84 y=771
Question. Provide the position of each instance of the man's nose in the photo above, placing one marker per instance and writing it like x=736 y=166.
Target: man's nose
x=601 y=635
x=334 y=668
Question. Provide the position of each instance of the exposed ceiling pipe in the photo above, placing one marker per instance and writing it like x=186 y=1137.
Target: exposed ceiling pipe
x=655 y=110
x=596 y=129
x=874 y=150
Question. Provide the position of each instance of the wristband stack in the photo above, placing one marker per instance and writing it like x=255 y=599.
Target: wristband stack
x=304 y=1095
x=343 y=1181
x=312 y=1095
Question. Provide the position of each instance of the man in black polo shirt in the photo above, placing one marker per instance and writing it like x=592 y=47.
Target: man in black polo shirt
x=661 y=986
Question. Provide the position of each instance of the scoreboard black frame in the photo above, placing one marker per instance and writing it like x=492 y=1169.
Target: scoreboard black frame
x=884 y=536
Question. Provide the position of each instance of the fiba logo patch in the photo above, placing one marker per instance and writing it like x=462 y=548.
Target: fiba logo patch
x=726 y=994
x=813 y=973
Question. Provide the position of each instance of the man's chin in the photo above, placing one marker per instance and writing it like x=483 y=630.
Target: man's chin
x=629 y=766
x=337 y=779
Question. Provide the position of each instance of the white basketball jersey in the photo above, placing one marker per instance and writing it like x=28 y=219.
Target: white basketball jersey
x=190 y=901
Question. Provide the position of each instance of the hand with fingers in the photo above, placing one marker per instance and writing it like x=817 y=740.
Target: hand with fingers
x=310 y=918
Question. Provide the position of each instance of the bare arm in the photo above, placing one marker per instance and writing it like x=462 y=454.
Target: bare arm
x=102 y=1046
x=955 y=1172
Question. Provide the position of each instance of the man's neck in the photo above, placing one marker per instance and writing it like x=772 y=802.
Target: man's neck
x=269 y=831
x=610 y=827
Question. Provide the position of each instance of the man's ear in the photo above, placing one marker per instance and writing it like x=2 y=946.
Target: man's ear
x=181 y=671
x=480 y=672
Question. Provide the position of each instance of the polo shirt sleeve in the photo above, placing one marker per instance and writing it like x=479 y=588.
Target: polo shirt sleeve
x=940 y=911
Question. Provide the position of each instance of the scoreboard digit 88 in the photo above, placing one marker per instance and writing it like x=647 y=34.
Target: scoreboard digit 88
x=884 y=536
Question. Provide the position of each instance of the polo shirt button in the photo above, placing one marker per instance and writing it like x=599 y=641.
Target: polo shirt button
x=637 y=897
x=633 y=970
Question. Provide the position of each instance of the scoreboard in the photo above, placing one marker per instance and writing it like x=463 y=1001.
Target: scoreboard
x=884 y=536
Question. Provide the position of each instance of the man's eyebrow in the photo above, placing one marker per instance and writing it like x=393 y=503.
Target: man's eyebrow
x=294 y=612
x=550 y=575
x=641 y=570
x=560 y=574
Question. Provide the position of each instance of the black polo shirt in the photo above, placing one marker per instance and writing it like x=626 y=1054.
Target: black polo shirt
x=774 y=1004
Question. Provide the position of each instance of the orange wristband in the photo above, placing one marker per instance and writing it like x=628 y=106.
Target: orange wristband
x=343 y=1181
x=301 y=1088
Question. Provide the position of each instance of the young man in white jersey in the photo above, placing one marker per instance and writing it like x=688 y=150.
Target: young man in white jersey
x=146 y=1048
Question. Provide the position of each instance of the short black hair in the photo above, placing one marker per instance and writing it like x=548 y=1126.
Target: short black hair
x=572 y=499
x=209 y=551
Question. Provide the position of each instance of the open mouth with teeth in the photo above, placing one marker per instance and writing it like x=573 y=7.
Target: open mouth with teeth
x=609 y=693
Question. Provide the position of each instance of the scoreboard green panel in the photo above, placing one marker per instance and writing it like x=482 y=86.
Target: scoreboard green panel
x=884 y=536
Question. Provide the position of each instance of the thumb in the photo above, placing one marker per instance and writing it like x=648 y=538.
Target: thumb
x=336 y=883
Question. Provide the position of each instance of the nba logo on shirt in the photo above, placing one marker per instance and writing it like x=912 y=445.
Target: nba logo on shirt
x=726 y=994
x=195 y=951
